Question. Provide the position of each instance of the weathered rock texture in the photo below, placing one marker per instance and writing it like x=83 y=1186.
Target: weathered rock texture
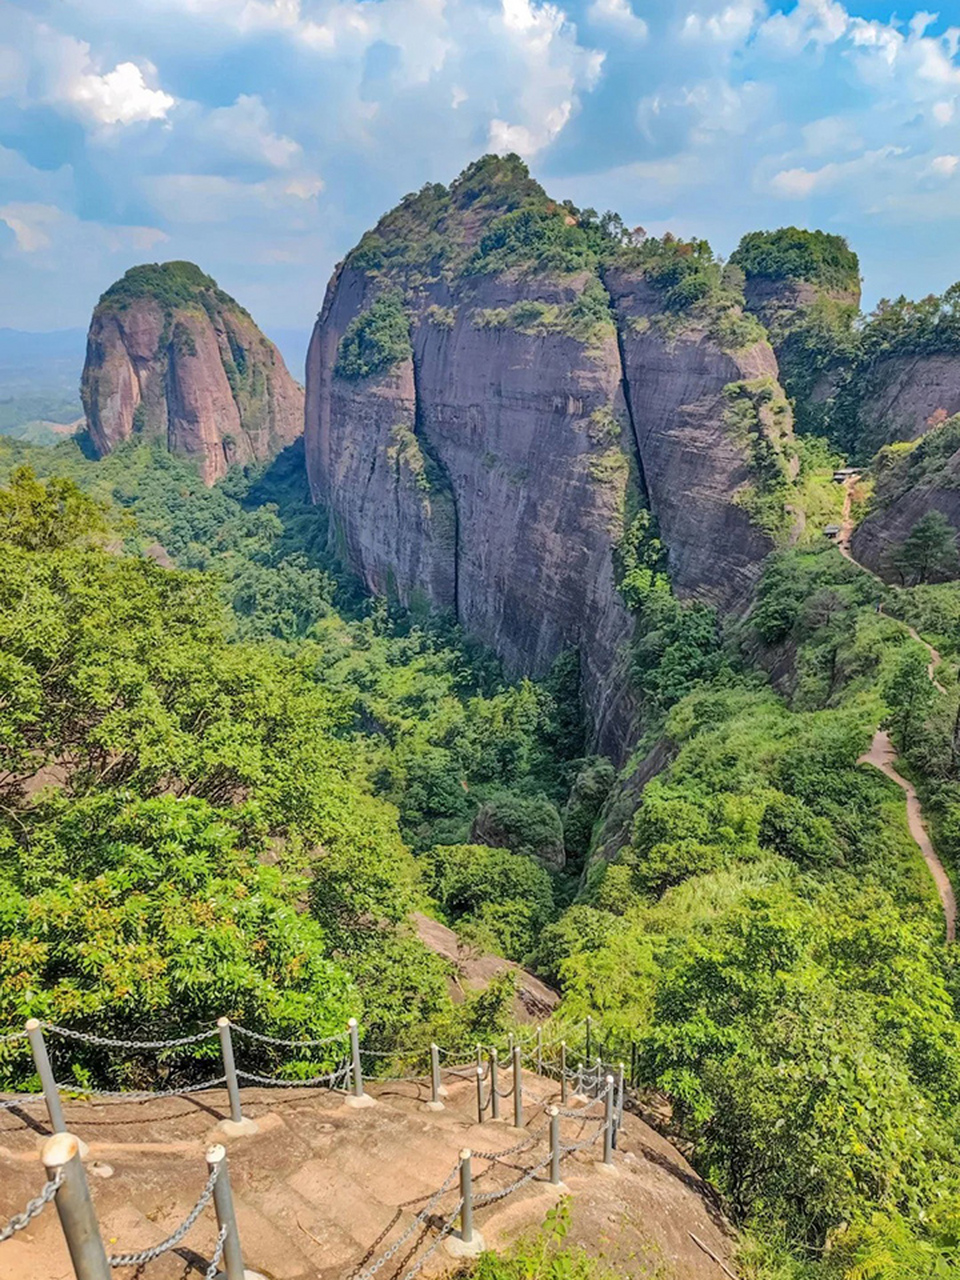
x=908 y=485
x=170 y=355
x=490 y=468
x=904 y=396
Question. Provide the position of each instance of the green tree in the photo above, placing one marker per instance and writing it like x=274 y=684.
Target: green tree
x=929 y=551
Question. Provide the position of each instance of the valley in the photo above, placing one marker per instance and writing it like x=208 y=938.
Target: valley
x=524 y=682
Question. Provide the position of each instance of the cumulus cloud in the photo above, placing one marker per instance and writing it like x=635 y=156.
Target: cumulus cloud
x=944 y=166
x=620 y=17
x=121 y=96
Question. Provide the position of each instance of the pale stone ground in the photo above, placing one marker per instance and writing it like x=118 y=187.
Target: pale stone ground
x=323 y=1189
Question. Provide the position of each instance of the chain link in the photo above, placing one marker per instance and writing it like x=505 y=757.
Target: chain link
x=34 y=1207
x=107 y=1042
x=148 y=1255
x=491 y=1197
x=211 y=1272
x=421 y=1217
x=141 y=1095
x=447 y=1228
x=12 y=1035
x=332 y=1079
x=523 y=1145
x=19 y=1100
x=288 y=1044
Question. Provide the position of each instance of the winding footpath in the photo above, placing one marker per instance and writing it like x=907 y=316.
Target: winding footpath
x=882 y=753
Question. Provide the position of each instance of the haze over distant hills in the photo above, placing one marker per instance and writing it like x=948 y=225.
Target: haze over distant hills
x=40 y=382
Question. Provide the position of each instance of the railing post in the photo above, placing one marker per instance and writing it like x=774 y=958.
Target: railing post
x=226 y=1217
x=75 y=1208
x=618 y=1111
x=435 y=1102
x=479 y=1055
x=598 y=1073
x=563 y=1072
x=517 y=1088
x=48 y=1084
x=608 y=1123
x=539 y=1050
x=554 y=1115
x=230 y=1070
x=357 y=1075
x=589 y=1027
x=466 y=1195
x=494 y=1087
x=479 y=1095
x=579 y=1087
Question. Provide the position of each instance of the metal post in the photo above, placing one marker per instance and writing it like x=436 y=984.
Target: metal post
x=75 y=1208
x=48 y=1084
x=539 y=1051
x=598 y=1076
x=230 y=1070
x=435 y=1075
x=618 y=1114
x=579 y=1085
x=357 y=1074
x=479 y=1095
x=554 y=1115
x=479 y=1055
x=608 y=1123
x=589 y=1026
x=563 y=1072
x=494 y=1095
x=517 y=1088
x=510 y=1044
x=466 y=1195
x=226 y=1217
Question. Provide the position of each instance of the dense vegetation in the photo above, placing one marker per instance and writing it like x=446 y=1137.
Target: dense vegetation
x=792 y=253
x=170 y=284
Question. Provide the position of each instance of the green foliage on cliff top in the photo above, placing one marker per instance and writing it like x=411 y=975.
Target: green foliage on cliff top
x=376 y=339
x=169 y=284
x=792 y=253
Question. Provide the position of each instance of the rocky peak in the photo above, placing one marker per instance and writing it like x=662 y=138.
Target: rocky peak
x=169 y=354
x=498 y=381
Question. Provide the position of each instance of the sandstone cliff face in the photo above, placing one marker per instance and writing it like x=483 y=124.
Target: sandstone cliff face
x=170 y=355
x=904 y=396
x=693 y=465
x=490 y=465
x=908 y=486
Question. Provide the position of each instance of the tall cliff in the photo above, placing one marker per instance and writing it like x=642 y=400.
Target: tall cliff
x=171 y=355
x=497 y=382
x=804 y=287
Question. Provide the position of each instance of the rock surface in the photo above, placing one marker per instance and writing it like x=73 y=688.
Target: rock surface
x=490 y=468
x=170 y=355
x=905 y=397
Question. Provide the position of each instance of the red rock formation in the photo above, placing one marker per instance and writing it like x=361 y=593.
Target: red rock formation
x=170 y=355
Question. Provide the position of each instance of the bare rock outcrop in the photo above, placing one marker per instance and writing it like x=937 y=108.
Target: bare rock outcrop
x=902 y=396
x=170 y=355
x=484 y=417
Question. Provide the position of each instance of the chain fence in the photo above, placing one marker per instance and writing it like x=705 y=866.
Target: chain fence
x=34 y=1207
x=155 y=1251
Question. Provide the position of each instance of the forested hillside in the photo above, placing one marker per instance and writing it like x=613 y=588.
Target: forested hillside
x=248 y=727
x=233 y=780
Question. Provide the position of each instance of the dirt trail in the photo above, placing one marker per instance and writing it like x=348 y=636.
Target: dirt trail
x=882 y=753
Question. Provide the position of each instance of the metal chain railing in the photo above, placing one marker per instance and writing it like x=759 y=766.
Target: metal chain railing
x=289 y=1044
x=214 y=1267
x=172 y=1240
x=444 y=1232
x=368 y=1272
x=491 y=1197
x=107 y=1042
x=332 y=1079
x=139 y=1095
x=34 y=1207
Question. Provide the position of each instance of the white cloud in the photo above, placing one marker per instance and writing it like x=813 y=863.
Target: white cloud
x=818 y=22
x=193 y=198
x=944 y=166
x=244 y=129
x=31 y=224
x=730 y=25
x=943 y=112
x=799 y=183
x=122 y=96
x=619 y=15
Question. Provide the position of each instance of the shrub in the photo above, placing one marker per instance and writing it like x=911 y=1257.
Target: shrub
x=376 y=339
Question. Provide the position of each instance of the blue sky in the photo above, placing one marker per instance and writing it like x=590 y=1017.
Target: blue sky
x=259 y=138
